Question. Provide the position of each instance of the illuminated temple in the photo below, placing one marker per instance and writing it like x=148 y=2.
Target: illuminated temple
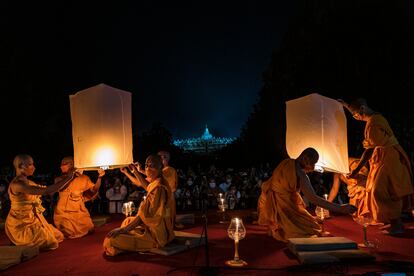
x=205 y=144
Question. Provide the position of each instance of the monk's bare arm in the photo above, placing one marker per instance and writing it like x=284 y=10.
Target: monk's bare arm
x=309 y=192
x=21 y=185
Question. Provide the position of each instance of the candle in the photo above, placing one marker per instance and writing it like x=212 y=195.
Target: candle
x=220 y=195
x=237 y=230
x=325 y=196
x=322 y=213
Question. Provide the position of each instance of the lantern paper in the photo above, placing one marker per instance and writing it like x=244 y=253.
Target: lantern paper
x=319 y=122
x=101 y=127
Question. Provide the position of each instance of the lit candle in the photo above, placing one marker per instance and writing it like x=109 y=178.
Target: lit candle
x=220 y=195
x=222 y=201
x=325 y=196
x=237 y=230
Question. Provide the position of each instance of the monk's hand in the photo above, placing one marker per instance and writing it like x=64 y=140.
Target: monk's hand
x=116 y=232
x=101 y=172
x=348 y=209
x=352 y=175
x=132 y=167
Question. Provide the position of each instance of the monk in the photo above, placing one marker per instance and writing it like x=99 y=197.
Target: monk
x=284 y=212
x=71 y=216
x=25 y=224
x=152 y=227
x=355 y=186
x=170 y=174
x=389 y=188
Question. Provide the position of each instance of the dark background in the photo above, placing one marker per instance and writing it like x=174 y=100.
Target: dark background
x=231 y=67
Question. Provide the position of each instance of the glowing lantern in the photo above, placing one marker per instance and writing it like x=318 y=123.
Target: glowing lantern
x=101 y=127
x=319 y=122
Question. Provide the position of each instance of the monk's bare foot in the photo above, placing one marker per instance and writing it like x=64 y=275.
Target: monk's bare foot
x=376 y=223
x=384 y=227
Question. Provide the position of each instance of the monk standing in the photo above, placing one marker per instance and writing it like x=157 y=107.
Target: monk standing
x=25 y=224
x=389 y=188
x=283 y=209
x=71 y=216
x=152 y=227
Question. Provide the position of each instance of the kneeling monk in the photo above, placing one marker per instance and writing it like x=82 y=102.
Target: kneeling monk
x=152 y=227
x=282 y=208
x=25 y=224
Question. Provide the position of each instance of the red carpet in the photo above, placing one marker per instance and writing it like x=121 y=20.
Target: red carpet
x=265 y=256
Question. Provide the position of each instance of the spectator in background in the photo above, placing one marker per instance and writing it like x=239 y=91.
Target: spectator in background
x=116 y=196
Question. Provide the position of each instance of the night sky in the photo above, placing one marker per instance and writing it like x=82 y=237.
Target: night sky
x=187 y=66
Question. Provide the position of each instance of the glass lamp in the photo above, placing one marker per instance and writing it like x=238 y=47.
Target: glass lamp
x=222 y=205
x=364 y=221
x=236 y=231
x=321 y=215
x=128 y=208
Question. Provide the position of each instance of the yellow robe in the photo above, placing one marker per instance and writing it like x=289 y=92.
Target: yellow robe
x=71 y=216
x=285 y=212
x=25 y=224
x=390 y=178
x=156 y=229
x=170 y=174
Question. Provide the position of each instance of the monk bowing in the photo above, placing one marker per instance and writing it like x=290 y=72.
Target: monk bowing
x=282 y=208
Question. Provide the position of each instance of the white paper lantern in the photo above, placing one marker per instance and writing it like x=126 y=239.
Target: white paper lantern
x=101 y=127
x=319 y=122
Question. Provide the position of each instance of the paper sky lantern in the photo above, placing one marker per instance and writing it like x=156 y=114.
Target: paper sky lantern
x=319 y=122
x=101 y=127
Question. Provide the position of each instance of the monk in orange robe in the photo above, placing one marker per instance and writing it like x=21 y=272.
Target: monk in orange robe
x=389 y=188
x=25 y=224
x=153 y=225
x=71 y=216
x=285 y=213
x=170 y=174
x=355 y=186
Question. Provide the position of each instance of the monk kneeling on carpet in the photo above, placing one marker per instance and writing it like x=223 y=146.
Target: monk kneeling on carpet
x=152 y=227
x=281 y=207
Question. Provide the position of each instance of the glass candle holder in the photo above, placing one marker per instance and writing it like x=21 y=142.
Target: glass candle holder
x=236 y=232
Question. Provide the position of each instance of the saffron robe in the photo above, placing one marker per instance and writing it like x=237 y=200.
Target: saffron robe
x=156 y=227
x=389 y=180
x=285 y=212
x=170 y=174
x=71 y=216
x=356 y=187
x=26 y=225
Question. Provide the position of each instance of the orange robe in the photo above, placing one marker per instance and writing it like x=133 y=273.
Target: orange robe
x=71 y=216
x=170 y=174
x=390 y=178
x=356 y=187
x=285 y=212
x=156 y=227
x=261 y=203
x=25 y=224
